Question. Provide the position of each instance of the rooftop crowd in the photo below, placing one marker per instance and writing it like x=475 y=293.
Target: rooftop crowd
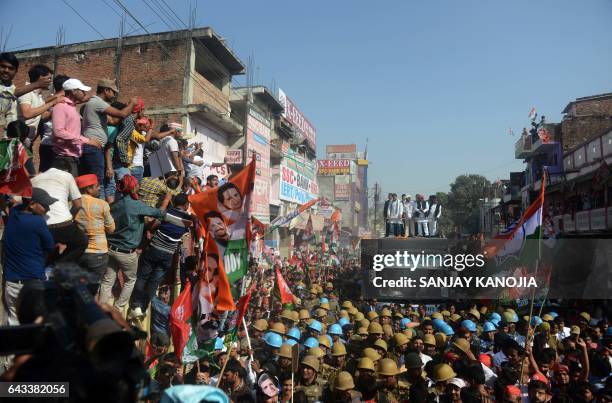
x=110 y=193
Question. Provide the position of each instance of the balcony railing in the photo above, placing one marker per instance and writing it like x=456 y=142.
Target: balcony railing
x=594 y=220
x=522 y=147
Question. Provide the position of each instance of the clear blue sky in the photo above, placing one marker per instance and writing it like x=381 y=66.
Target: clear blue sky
x=435 y=85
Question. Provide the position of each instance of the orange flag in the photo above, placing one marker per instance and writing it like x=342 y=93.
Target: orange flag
x=285 y=292
x=224 y=213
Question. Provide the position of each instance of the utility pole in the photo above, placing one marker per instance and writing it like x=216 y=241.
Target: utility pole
x=376 y=196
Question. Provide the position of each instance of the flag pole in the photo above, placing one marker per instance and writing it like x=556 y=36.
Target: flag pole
x=530 y=333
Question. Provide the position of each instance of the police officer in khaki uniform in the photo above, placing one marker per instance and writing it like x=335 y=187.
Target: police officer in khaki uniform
x=389 y=389
x=309 y=383
x=343 y=389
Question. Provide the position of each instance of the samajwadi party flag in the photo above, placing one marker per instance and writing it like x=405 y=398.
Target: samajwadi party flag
x=14 y=178
x=224 y=213
x=528 y=227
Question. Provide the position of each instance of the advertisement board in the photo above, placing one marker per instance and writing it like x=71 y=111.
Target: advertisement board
x=298 y=184
x=342 y=187
x=341 y=151
x=334 y=167
x=297 y=119
x=233 y=157
x=258 y=143
x=222 y=172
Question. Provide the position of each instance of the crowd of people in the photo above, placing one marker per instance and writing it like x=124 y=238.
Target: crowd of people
x=110 y=194
x=408 y=218
x=104 y=175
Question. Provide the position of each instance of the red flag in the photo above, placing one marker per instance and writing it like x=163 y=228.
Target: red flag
x=179 y=315
x=14 y=178
x=285 y=293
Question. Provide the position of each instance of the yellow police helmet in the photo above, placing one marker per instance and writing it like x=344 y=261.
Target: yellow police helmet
x=429 y=339
x=285 y=351
x=386 y=312
x=364 y=322
x=338 y=350
x=320 y=313
x=261 y=325
x=372 y=315
x=311 y=361
x=380 y=343
x=387 y=367
x=387 y=330
x=371 y=354
x=295 y=316
x=359 y=317
x=287 y=314
x=365 y=363
x=324 y=305
x=344 y=313
x=440 y=340
x=324 y=340
x=279 y=328
x=455 y=318
x=462 y=344
x=446 y=313
x=437 y=315
x=375 y=328
x=547 y=318
x=353 y=311
x=400 y=339
x=304 y=314
x=347 y=304
x=362 y=331
x=344 y=381
x=316 y=351
x=443 y=372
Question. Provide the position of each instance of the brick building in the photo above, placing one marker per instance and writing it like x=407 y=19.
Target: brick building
x=183 y=76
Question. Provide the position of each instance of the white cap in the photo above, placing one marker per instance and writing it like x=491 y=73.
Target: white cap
x=458 y=382
x=409 y=196
x=74 y=84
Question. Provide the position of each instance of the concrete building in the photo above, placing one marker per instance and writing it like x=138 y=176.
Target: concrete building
x=577 y=153
x=343 y=180
x=182 y=76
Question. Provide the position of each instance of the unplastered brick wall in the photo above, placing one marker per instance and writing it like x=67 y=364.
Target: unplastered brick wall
x=580 y=129
x=146 y=71
x=598 y=106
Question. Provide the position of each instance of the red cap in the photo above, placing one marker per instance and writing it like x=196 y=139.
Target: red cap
x=139 y=105
x=86 y=180
x=485 y=359
x=539 y=377
x=513 y=390
x=560 y=367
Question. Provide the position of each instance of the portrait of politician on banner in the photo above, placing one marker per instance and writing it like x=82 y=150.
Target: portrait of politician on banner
x=224 y=213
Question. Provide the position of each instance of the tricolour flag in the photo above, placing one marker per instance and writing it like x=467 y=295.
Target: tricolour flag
x=513 y=244
x=14 y=178
x=532 y=113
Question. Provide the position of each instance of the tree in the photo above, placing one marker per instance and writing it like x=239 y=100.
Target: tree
x=464 y=200
x=446 y=224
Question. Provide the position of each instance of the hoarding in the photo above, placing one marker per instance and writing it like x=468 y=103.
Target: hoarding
x=342 y=187
x=298 y=184
x=334 y=167
x=233 y=157
x=297 y=119
x=258 y=143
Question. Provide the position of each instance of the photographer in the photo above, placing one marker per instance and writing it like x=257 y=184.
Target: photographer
x=26 y=242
